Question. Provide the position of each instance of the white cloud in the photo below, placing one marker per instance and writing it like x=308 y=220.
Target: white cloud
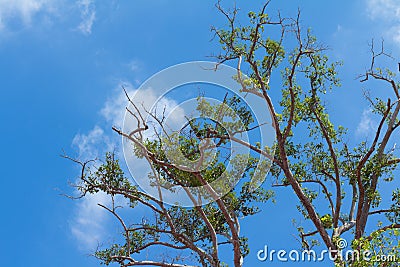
x=146 y=100
x=89 y=224
x=22 y=9
x=383 y=9
x=367 y=124
x=395 y=33
x=386 y=13
x=114 y=108
x=133 y=65
x=26 y=11
x=93 y=144
x=88 y=16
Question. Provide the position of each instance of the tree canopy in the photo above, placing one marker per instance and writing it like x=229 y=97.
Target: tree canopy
x=336 y=182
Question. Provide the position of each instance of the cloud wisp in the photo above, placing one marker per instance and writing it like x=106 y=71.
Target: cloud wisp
x=88 y=16
x=367 y=125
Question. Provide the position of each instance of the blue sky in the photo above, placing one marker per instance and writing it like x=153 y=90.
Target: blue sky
x=62 y=64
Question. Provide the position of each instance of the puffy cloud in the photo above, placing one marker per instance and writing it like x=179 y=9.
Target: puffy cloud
x=93 y=144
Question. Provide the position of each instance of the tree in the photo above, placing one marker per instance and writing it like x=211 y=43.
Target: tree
x=320 y=162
